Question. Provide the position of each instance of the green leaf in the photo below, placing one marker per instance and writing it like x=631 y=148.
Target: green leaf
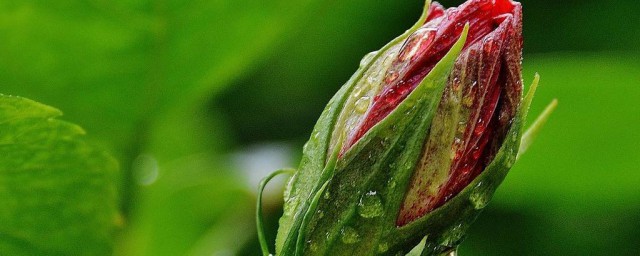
x=57 y=192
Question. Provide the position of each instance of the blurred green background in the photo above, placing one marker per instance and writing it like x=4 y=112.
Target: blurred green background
x=200 y=99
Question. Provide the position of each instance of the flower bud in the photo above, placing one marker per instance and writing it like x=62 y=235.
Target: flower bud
x=416 y=142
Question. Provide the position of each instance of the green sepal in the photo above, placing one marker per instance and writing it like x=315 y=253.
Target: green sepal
x=530 y=135
x=361 y=201
x=301 y=187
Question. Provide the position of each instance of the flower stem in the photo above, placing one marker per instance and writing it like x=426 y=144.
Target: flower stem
x=259 y=222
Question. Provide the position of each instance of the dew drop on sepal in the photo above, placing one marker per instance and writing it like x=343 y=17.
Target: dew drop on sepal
x=349 y=235
x=370 y=205
x=383 y=247
x=479 y=197
x=362 y=104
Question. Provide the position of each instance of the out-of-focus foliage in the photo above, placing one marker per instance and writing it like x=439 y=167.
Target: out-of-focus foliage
x=137 y=75
x=174 y=88
x=576 y=190
x=57 y=193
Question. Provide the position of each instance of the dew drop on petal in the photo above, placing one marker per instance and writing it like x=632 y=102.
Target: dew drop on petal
x=367 y=58
x=362 y=104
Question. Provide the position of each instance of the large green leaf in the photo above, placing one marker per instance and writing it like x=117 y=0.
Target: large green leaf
x=57 y=193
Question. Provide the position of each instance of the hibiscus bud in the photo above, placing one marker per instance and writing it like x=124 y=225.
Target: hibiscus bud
x=416 y=142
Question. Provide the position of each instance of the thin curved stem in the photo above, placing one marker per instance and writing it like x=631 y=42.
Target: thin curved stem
x=259 y=221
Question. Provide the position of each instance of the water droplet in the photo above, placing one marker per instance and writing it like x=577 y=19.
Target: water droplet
x=453 y=236
x=509 y=161
x=372 y=80
x=383 y=247
x=480 y=127
x=320 y=214
x=357 y=91
x=327 y=195
x=392 y=184
x=479 y=197
x=362 y=104
x=315 y=135
x=290 y=205
x=391 y=76
x=367 y=58
x=475 y=153
x=146 y=169
x=370 y=205
x=409 y=103
x=312 y=246
x=467 y=101
x=349 y=235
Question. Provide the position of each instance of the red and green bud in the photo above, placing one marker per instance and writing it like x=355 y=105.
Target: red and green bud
x=416 y=142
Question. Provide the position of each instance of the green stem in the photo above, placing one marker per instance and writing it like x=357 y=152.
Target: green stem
x=259 y=221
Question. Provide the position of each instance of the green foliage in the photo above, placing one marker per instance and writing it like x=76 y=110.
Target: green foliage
x=139 y=74
x=141 y=64
x=58 y=192
x=576 y=188
x=180 y=84
x=191 y=211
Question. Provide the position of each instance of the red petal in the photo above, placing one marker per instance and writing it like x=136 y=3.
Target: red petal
x=408 y=71
x=492 y=86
